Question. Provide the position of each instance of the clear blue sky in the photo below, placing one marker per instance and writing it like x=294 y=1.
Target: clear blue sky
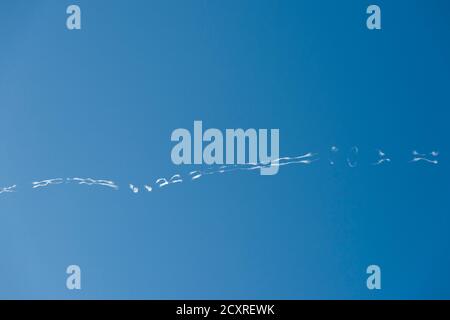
x=102 y=102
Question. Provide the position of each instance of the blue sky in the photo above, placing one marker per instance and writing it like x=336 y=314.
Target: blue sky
x=103 y=101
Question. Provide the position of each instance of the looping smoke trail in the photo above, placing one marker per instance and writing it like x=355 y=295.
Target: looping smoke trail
x=91 y=182
x=351 y=160
x=195 y=174
x=333 y=150
x=424 y=157
x=175 y=179
x=162 y=182
x=8 y=189
x=382 y=159
x=134 y=188
x=46 y=183
x=307 y=158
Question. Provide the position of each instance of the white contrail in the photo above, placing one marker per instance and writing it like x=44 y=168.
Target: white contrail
x=8 y=189
x=46 y=183
x=91 y=182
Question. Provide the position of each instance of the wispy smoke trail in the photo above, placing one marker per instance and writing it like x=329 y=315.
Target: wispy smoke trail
x=8 y=189
x=93 y=182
